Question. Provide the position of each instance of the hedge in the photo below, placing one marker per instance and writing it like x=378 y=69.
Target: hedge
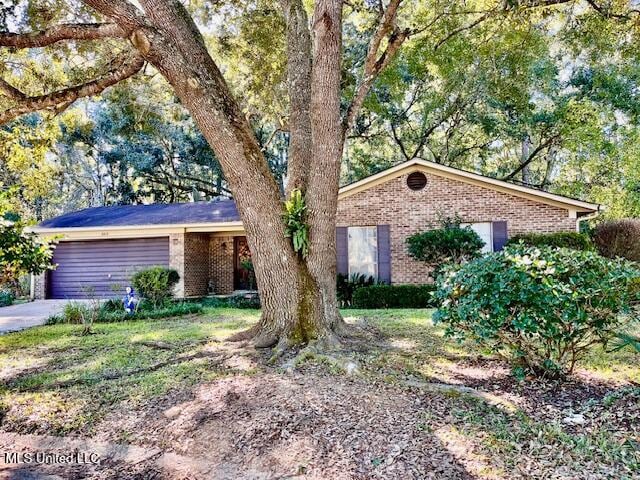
x=394 y=296
x=111 y=312
x=573 y=240
x=619 y=238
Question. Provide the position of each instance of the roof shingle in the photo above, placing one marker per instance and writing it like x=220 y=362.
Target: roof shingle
x=220 y=211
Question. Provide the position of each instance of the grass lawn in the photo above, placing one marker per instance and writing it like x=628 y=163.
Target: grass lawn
x=177 y=386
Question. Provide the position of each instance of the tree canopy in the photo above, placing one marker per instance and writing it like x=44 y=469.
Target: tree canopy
x=544 y=96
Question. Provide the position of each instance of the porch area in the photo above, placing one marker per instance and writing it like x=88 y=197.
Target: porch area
x=212 y=264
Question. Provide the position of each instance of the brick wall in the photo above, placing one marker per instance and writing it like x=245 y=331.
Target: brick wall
x=221 y=264
x=176 y=260
x=196 y=264
x=408 y=212
x=39 y=287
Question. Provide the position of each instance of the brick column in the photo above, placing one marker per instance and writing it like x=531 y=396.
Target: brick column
x=39 y=287
x=176 y=260
x=221 y=264
x=196 y=264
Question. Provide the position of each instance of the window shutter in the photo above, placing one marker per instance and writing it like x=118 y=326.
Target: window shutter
x=499 y=235
x=384 y=254
x=342 y=250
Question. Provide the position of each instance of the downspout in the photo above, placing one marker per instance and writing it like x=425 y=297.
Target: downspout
x=590 y=216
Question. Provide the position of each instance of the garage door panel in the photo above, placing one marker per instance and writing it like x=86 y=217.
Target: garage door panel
x=95 y=267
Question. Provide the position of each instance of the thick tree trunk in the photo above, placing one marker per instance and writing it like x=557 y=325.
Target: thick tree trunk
x=327 y=147
x=298 y=297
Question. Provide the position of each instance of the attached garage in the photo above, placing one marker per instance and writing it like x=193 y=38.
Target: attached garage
x=102 y=268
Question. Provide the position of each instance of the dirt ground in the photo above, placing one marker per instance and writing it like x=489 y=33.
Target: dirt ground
x=320 y=420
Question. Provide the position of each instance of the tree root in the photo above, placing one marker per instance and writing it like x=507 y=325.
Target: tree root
x=344 y=364
x=447 y=389
x=245 y=335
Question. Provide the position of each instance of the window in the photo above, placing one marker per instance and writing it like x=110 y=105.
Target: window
x=363 y=251
x=485 y=232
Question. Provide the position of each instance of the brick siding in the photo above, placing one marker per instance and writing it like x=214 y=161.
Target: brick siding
x=408 y=212
x=201 y=258
x=221 y=264
x=176 y=260
x=196 y=264
x=40 y=287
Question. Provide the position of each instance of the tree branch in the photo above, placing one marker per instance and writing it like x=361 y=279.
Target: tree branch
x=531 y=157
x=10 y=91
x=373 y=63
x=57 y=33
x=68 y=95
x=299 y=47
x=455 y=32
x=125 y=14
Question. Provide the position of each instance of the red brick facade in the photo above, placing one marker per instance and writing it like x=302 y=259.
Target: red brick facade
x=221 y=264
x=196 y=263
x=207 y=259
x=407 y=212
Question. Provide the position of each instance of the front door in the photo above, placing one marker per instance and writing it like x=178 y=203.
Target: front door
x=243 y=276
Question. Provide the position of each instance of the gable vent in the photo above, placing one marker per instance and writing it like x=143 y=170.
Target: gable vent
x=417 y=181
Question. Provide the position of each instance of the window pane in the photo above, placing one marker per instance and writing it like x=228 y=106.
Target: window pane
x=363 y=251
x=484 y=231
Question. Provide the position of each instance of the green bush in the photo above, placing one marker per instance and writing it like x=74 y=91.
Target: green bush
x=112 y=305
x=6 y=298
x=441 y=246
x=74 y=312
x=107 y=314
x=235 y=301
x=346 y=285
x=619 y=238
x=542 y=308
x=155 y=284
x=394 y=296
x=79 y=313
x=148 y=312
x=574 y=240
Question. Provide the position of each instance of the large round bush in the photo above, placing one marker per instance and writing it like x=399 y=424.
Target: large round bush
x=155 y=284
x=542 y=308
x=619 y=238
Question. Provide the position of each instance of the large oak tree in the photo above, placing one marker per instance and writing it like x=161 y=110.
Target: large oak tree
x=298 y=292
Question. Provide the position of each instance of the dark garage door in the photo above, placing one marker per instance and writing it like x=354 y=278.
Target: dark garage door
x=102 y=267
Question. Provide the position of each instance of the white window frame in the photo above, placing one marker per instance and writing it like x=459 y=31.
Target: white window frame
x=350 y=250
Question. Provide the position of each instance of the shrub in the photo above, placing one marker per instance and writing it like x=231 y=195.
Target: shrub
x=394 y=296
x=112 y=305
x=449 y=244
x=235 y=301
x=542 y=308
x=73 y=312
x=346 y=285
x=80 y=313
x=619 y=238
x=168 y=311
x=155 y=284
x=6 y=298
x=574 y=240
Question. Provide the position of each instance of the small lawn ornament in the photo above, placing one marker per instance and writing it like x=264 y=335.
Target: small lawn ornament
x=130 y=301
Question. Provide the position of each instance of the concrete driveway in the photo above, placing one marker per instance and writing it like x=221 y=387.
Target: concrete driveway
x=25 y=315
